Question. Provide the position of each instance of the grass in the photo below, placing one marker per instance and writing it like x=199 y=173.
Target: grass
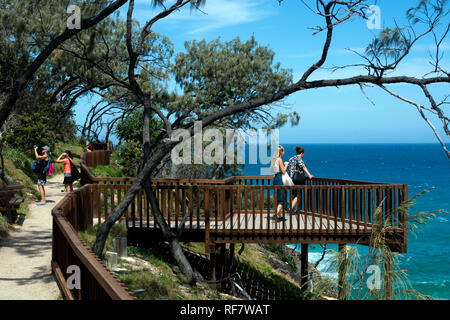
x=282 y=252
x=110 y=171
x=164 y=281
x=3 y=227
x=88 y=235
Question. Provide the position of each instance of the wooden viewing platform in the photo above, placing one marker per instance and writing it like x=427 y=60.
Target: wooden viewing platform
x=241 y=209
x=219 y=212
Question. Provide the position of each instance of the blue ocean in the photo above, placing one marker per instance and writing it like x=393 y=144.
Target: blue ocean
x=421 y=166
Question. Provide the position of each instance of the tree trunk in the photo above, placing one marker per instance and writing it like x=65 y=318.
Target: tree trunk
x=159 y=153
x=175 y=247
x=388 y=279
x=342 y=277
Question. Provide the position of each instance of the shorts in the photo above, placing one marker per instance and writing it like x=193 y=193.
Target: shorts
x=41 y=182
x=67 y=178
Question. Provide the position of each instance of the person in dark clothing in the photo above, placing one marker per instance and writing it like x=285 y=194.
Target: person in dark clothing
x=296 y=164
x=42 y=175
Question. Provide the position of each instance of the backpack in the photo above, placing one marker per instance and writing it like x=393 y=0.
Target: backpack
x=47 y=167
x=299 y=176
x=74 y=171
x=51 y=167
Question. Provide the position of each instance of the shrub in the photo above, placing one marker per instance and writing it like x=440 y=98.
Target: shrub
x=131 y=157
x=3 y=227
x=34 y=130
x=282 y=252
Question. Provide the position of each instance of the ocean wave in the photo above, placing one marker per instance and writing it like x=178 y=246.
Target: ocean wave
x=437 y=283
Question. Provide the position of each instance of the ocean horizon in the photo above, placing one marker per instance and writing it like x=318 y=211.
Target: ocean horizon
x=422 y=166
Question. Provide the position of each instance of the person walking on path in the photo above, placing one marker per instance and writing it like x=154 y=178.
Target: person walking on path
x=68 y=181
x=42 y=175
x=297 y=169
x=279 y=168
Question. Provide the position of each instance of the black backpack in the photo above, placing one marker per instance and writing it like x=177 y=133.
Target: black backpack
x=74 y=171
x=299 y=176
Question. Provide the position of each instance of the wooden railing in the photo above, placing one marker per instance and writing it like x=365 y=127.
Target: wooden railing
x=74 y=213
x=243 y=207
x=102 y=146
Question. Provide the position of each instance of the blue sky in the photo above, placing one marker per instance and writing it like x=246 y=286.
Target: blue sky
x=330 y=115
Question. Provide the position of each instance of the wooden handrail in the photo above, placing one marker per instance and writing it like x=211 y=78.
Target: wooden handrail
x=69 y=216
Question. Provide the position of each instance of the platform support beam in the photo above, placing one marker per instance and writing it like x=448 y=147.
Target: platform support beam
x=212 y=257
x=304 y=267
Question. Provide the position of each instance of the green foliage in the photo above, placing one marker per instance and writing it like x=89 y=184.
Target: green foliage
x=88 y=235
x=34 y=130
x=18 y=166
x=282 y=252
x=131 y=157
x=163 y=281
x=4 y=227
x=130 y=128
x=111 y=171
x=390 y=44
x=220 y=74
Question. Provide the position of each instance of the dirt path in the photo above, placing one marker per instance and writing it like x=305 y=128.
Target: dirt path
x=25 y=256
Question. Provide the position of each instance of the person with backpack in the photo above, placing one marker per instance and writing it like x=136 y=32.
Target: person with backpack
x=68 y=165
x=42 y=166
x=296 y=169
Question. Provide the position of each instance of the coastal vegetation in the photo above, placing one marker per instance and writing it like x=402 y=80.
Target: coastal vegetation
x=47 y=68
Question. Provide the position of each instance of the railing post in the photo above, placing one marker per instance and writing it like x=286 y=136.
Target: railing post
x=207 y=215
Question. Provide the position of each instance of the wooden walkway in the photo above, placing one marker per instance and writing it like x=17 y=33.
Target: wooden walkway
x=241 y=209
x=256 y=222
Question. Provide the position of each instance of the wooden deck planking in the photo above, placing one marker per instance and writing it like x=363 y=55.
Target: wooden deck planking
x=252 y=221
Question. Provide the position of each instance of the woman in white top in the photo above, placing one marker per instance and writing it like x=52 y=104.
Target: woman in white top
x=279 y=168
